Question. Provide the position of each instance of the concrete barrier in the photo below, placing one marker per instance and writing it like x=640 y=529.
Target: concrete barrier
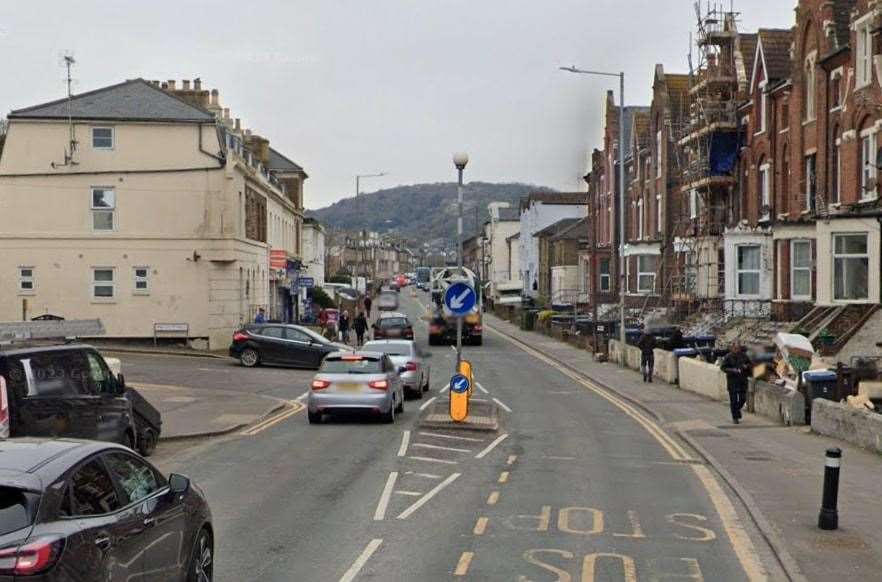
x=777 y=403
x=859 y=427
x=666 y=366
x=631 y=355
x=702 y=378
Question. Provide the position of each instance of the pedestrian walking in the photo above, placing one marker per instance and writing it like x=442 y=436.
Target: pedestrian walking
x=261 y=316
x=367 y=305
x=647 y=355
x=737 y=366
x=360 y=325
x=344 y=327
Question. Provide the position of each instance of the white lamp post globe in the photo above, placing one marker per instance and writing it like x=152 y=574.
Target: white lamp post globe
x=460 y=159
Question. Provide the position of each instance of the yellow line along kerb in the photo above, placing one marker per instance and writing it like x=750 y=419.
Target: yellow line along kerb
x=275 y=419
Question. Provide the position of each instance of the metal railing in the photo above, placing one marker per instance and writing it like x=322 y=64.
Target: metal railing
x=747 y=308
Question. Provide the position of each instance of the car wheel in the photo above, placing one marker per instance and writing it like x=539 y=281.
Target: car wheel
x=249 y=357
x=389 y=417
x=202 y=561
x=478 y=341
x=314 y=417
x=147 y=443
x=428 y=383
x=417 y=393
x=400 y=408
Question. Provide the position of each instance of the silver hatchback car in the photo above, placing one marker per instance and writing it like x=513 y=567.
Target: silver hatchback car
x=406 y=354
x=357 y=382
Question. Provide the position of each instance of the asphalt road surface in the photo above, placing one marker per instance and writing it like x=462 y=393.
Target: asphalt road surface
x=577 y=485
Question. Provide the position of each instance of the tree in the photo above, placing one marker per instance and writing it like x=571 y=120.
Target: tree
x=322 y=299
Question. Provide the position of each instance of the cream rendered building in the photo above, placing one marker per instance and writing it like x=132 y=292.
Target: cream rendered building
x=142 y=204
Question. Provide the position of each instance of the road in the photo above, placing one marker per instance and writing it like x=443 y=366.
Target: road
x=577 y=485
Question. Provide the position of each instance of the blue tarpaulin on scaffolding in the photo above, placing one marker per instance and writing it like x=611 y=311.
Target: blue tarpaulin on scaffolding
x=723 y=153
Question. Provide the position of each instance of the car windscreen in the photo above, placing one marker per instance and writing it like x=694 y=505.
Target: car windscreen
x=352 y=365
x=392 y=322
x=392 y=349
x=17 y=509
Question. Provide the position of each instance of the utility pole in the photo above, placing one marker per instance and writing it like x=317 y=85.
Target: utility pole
x=460 y=160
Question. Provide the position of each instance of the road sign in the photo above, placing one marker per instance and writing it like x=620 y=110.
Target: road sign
x=307 y=282
x=460 y=298
x=459 y=384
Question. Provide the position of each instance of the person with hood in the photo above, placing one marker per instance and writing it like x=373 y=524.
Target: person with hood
x=738 y=367
x=360 y=325
x=343 y=325
x=647 y=355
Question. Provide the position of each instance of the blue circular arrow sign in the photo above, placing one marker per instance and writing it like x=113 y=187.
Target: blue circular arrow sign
x=460 y=298
x=459 y=384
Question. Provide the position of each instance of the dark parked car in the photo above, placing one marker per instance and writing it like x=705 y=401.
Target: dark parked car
x=66 y=391
x=83 y=510
x=287 y=345
x=391 y=325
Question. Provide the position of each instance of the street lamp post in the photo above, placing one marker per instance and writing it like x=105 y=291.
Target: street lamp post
x=621 y=161
x=358 y=178
x=460 y=160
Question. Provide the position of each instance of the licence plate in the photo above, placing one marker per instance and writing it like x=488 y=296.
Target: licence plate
x=393 y=333
x=349 y=387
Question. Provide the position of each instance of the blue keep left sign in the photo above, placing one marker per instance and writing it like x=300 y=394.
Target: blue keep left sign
x=459 y=384
x=460 y=298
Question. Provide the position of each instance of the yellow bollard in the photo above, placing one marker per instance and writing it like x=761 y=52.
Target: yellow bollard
x=459 y=403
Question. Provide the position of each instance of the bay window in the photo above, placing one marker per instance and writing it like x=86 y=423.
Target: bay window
x=748 y=270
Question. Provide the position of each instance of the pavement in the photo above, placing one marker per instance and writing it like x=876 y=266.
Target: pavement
x=776 y=472
x=574 y=485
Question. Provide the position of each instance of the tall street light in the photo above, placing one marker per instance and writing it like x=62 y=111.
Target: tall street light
x=460 y=160
x=621 y=162
x=358 y=178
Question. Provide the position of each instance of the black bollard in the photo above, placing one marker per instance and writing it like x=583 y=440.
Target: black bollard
x=829 y=517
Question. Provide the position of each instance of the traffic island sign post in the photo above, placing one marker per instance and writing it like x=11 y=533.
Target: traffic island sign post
x=460 y=299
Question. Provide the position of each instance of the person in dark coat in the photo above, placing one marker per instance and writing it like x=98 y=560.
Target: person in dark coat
x=367 y=305
x=647 y=355
x=676 y=339
x=738 y=368
x=360 y=325
x=344 y=327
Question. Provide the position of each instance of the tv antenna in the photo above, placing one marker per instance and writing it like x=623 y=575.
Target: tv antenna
x=68 y=62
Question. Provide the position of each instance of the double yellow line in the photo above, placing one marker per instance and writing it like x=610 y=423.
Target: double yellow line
x=292 y=408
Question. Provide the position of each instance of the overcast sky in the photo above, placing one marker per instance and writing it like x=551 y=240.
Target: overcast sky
x=361 y=86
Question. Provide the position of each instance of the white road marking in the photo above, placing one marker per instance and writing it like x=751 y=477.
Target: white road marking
x=491 y=446
x=494 y=497
x=453 y=348
x=443 y=390
x=380 y=513
x=302 y=396
x=423 y=475
x=405 y=439
x=502 y=404
x=440 y=448
x=503 y=477
x=408 y=493
x=431 y=460
x=353 y=570
x=428 y=496
x=452 y=437
x=481 y=388
x=511 y=459
x=428 y=402
x=561 y=458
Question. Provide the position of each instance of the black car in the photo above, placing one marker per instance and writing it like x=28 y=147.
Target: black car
x=276 y=343
x=392 y=325
x=65 y=391
x=76 y=510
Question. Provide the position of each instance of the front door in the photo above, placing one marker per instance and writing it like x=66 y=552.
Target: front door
x=300 y=349
x=272 y=344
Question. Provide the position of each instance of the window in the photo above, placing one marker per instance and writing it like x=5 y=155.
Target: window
x=136 y=478
x=748 y=270
x=26 y=279
x=809 y=90
x=864 y=55
x=835 y=169
x=640 y=219
x=646 y=266
x=103 y=207
x=785 y=115
x=836 y=89
x=56 y=373
x=801 y=269
x=102 y=138
x=658 y=154
x=868 y=166
x=851 y=267
x=99 y=378
x=605 y=277
x=785 y=177
x=17 y=509
x=142 y=280
x=103 y=286
x=765 y=193
x=273 y=332
x=297 y=335
x=693 y=204
x=93 y=491
x=811 y=185
x=763 y=107
x=658 y=211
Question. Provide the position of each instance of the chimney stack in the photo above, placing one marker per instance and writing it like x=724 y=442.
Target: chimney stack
x=226 y=113
x=197 y=84
x=171 y=84
x=215 y=94
x=238 y=124
x=186 y=83
x=164 y=85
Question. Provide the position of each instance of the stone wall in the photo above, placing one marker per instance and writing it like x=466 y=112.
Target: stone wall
x=777 y=403
x=666 y=368
x=859 y=427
